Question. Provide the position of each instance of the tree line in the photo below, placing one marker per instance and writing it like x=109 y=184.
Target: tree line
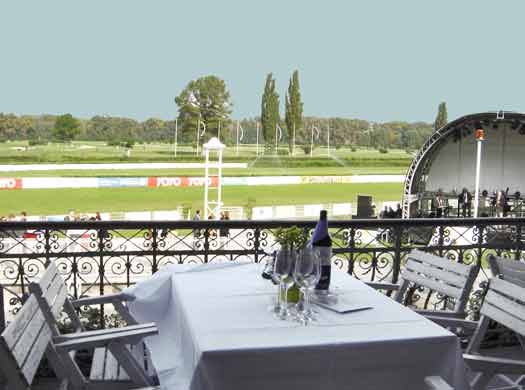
x=205 y=108
x=344 y=132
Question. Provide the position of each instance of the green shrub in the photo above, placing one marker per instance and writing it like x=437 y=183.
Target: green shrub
x=306 y=149
x=34 y=142
x=383 y=150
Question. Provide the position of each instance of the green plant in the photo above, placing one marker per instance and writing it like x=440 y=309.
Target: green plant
x=35 y=141
x=293 y=237
x=383 y=150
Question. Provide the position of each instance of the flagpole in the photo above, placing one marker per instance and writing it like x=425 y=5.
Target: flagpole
x=480 y=136
x=257 y=138
x=175 y=144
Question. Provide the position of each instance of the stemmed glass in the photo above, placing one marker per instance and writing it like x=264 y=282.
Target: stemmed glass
x=306 y=274
x=283 y=269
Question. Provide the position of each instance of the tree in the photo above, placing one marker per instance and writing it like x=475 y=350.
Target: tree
x=270 y=116
x=442 y=116
x=207 y=100
x=66 y=128
x=294 y=108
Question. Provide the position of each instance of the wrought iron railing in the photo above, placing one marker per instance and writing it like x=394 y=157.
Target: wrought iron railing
x=101 y=257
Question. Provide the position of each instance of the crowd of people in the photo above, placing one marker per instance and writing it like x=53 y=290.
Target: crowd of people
x=72 y=216
x=224 y=232
x=389 y=212
x=496 y=205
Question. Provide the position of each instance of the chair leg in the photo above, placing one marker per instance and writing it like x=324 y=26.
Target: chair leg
x=481 y=381
x=130 y=365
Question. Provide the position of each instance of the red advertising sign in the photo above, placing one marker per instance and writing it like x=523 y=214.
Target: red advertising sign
x=181 y=181
x=8 y=183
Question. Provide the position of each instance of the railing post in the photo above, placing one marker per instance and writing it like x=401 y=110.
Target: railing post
x=481 y=230
x=351 y=247
x=47 y=247
x=2 y=312
x=398 y=231
x=101 y=273
x=441 y=239
x=206 y=244
x=154 y=247
x=519 y=243
x=256 y=235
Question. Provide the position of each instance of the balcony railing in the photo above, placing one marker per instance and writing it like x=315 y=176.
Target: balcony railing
x=101 y=257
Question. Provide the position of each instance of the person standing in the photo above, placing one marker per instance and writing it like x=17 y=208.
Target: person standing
x=224 y=231
x=399 y=212
x=196 y=232
x=384 y=214
x=440 y=205
x=500 y=203
x=465 y=202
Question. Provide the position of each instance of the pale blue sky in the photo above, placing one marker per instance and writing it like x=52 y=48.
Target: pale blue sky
x=370 y=59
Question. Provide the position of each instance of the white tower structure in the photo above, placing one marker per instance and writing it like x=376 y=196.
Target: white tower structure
x=212 y=170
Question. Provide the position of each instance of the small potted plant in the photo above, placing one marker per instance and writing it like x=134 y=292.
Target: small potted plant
x=291 y=240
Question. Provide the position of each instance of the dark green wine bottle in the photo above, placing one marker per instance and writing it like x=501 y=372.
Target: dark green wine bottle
x=322 y=241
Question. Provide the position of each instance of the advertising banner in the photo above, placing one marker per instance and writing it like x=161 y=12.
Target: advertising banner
x=59 y=182
x=9 y=183
x=181 y=181
x=339 y=209
x=312 y=210
x=234 y=181
x=285 y=212
x=378 y=179
x=272 y=180
x=259 y=213
x=122 y=182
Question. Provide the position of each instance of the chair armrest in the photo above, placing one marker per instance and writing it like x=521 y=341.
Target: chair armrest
x=500 y=365
x=108 y=298
x=98 y=338
x=383 y=286
x=442 y=314
x=437 y=383
x=453 y=322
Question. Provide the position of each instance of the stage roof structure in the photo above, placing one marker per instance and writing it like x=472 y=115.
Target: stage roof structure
x=446 y=161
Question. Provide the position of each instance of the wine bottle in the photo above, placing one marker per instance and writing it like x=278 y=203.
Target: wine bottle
x=321 y=240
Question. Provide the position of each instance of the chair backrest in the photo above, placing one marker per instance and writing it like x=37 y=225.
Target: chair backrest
x=510 y=270
x=505 y=304
x=438 y=274
x=26 y=338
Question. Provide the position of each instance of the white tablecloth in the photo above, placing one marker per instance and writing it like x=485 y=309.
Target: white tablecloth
x=215 y=332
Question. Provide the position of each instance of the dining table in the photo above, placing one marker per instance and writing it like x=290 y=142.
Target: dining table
x=217 y=331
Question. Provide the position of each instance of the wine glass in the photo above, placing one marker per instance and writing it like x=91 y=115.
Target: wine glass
x=306 y=274
x=283 y=270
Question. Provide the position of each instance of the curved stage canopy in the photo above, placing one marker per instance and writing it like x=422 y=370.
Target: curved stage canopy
x=446 y=163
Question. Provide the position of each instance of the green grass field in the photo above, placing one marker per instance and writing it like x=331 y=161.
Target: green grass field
x=60 y=201
x=89 y=151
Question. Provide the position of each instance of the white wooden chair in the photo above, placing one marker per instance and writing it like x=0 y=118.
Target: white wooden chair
x=438 y=274
x=510 y=270
x=505 y=304
x=34 y=332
